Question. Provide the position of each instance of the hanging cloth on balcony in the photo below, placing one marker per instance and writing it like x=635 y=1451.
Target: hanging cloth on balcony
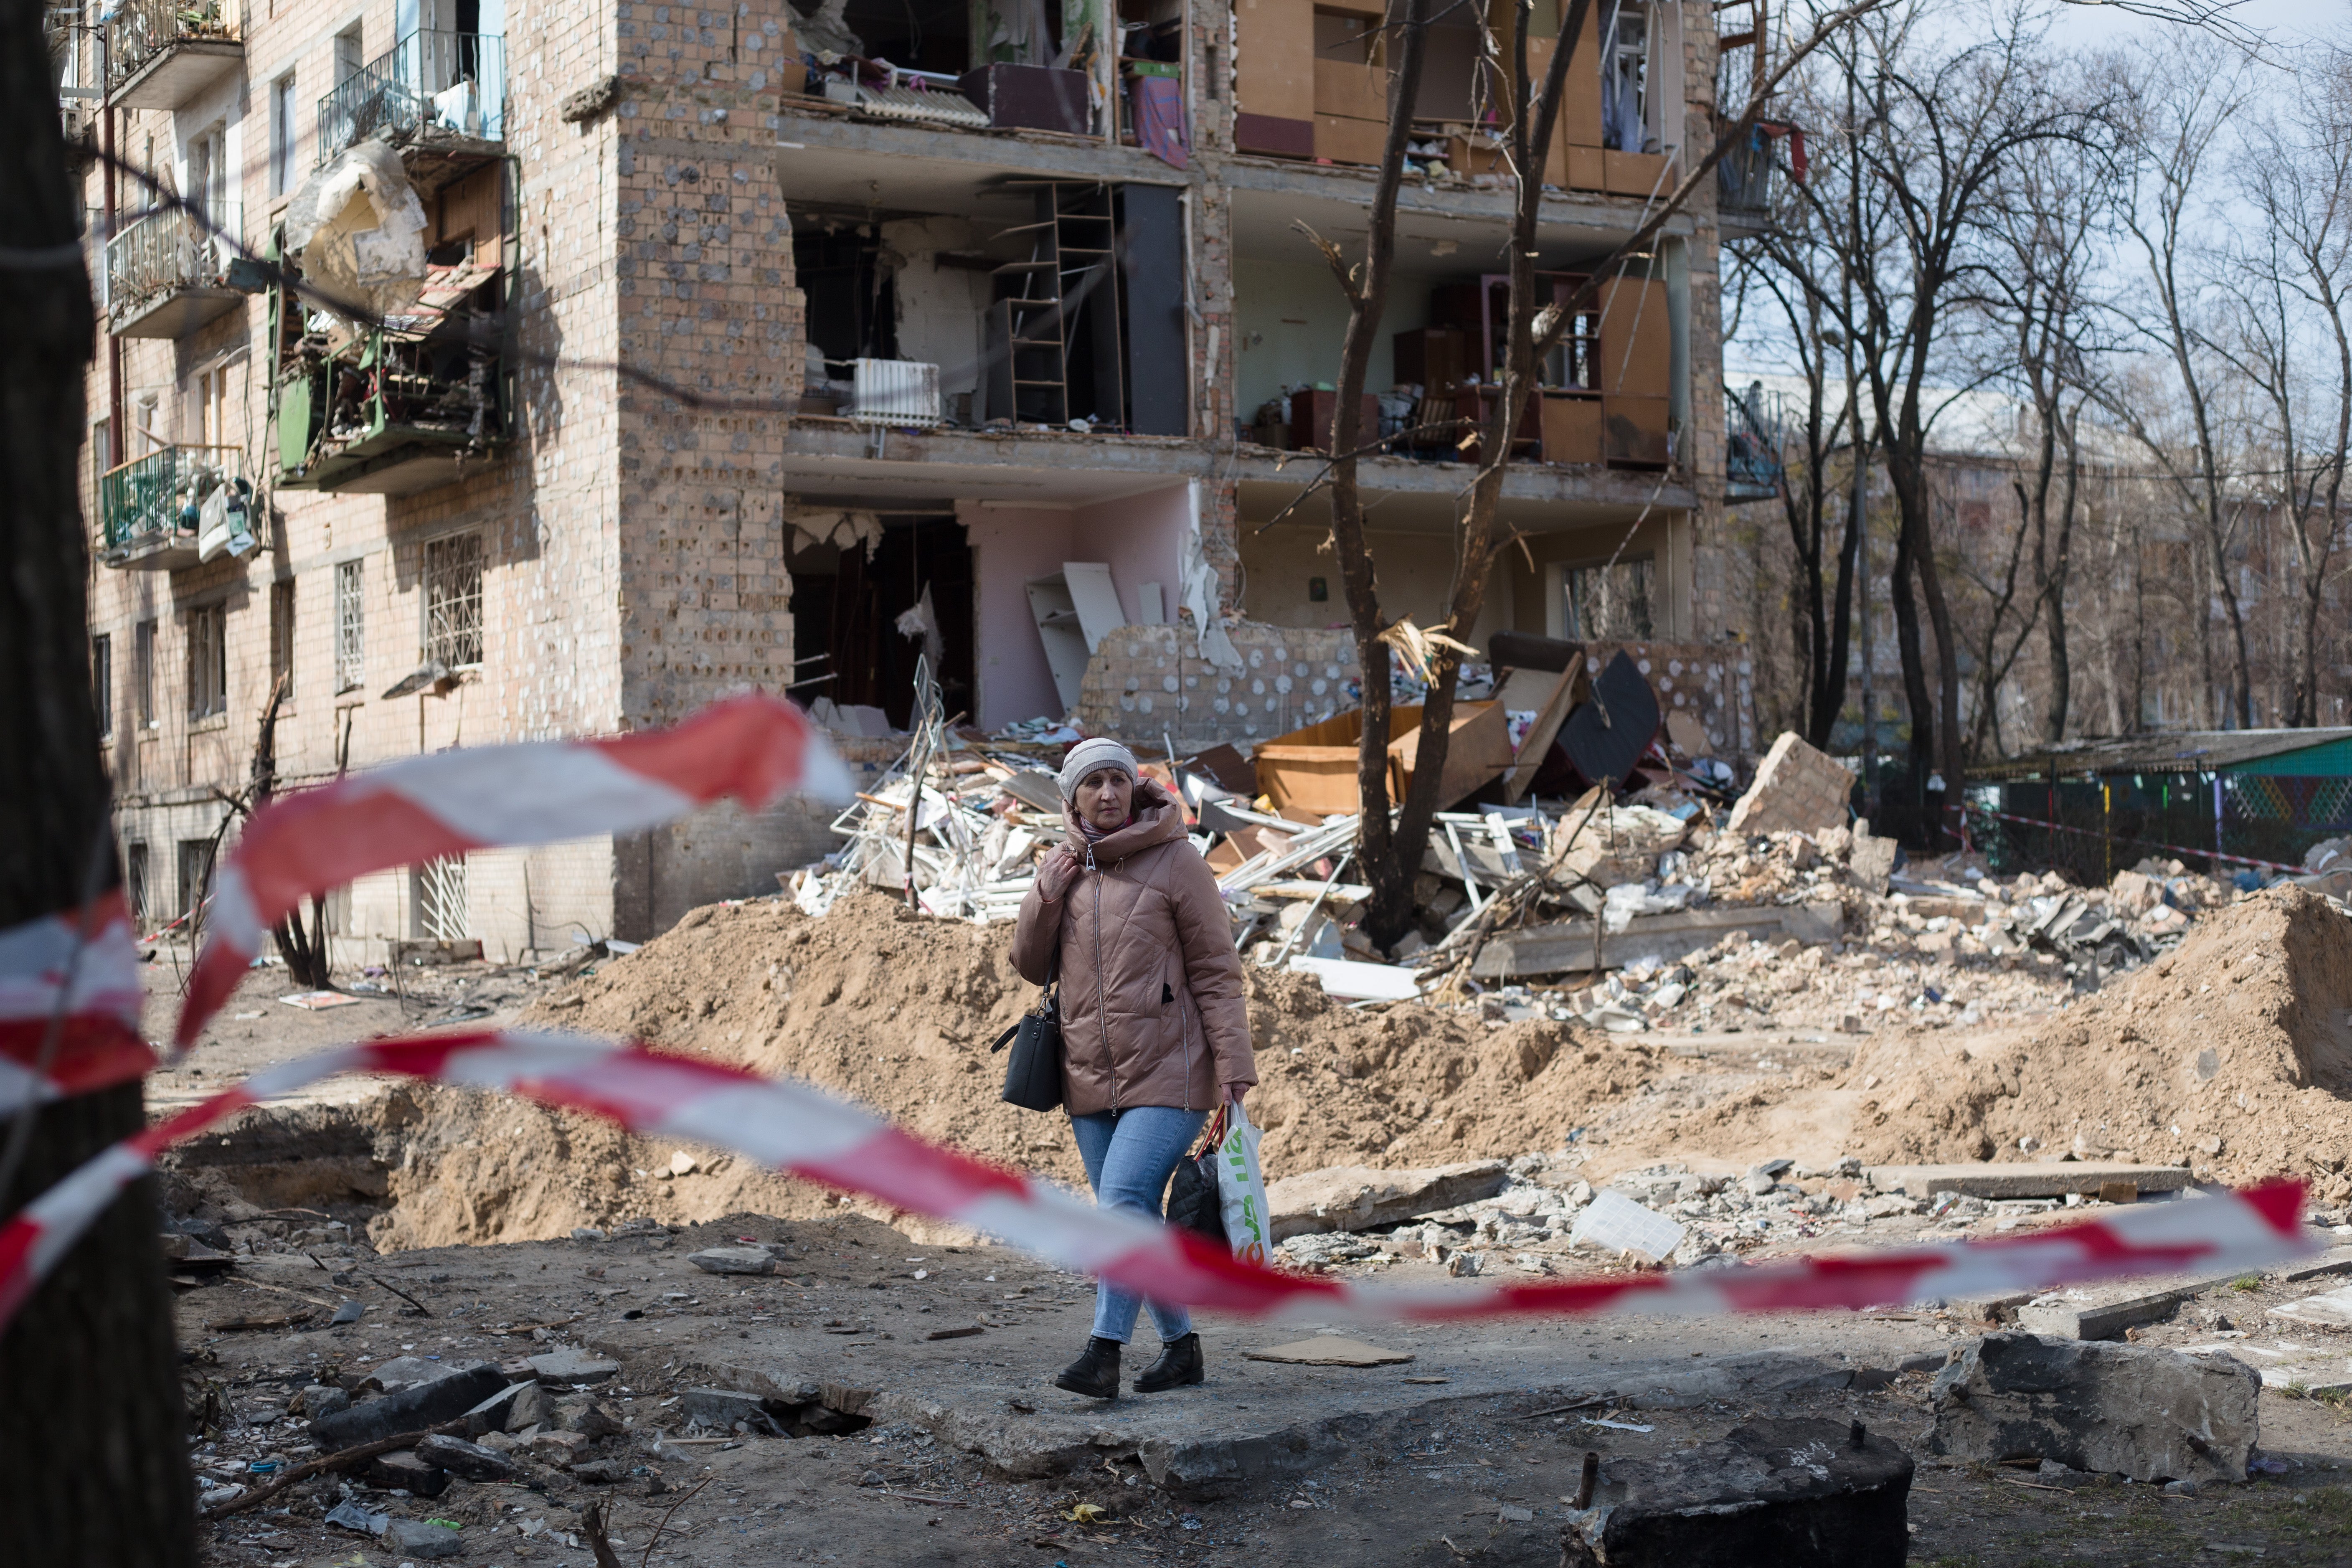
x=1774 y=130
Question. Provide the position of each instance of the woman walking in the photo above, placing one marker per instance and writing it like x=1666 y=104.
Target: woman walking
x=1154 y=1031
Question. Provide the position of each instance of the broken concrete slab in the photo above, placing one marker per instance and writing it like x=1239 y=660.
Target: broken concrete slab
x=1354 y=1197
x=2105 y=1311
x=2334 y=1261
x=421 y=1538
x=2282 y=1364
x=733 y=1260
x=2134 y=1410
x=2328 y=1310
x=1566 y=946
x=1815 y=1492
x=1330 y=1350
x=410 y=1410
x=2026 y=1179
x=470 y=1461
x=492 y=1415
x=569 y=1366
x=402 y=1469
x=1798 y=789
x=1203 y=1444
x=722 y=1408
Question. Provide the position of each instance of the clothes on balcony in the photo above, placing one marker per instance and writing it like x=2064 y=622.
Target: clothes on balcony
x=1159 y=119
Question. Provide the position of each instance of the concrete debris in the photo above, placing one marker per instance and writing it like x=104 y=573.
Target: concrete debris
x=1350 y=1197
x=470 y=1461
x=563 y=1367
x=423 y=1538
x=2132 y=1410
x=1797 y=790
x=733 y=1260
x=402 y=1470
x=1817 y=1492
x=410 y=1409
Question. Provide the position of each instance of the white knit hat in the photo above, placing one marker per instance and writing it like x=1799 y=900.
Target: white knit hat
x=1092 y=756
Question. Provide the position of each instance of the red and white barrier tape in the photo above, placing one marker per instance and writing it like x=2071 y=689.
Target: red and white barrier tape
x=753 y=748
x=76 y=971
x=802 y=1131
x=2123 y=839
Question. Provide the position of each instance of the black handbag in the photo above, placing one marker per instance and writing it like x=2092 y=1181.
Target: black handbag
x=1193 y=1201
x=1033 y=1078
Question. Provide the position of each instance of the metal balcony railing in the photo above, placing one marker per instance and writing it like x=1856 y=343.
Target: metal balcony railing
x=1745 y=184
x=149 y=499
x=167 y=251
x=144 y=29
x=1755 y=425
x=430 y=80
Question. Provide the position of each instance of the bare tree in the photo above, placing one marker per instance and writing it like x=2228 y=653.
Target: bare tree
x=1536 y=321
x=2291 y=341
x=2175 y=104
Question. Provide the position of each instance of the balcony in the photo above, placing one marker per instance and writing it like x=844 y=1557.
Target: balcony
x=439 y=97
x=161 y=53
x=166 y=274
x=396 y=409
x=1747 y=185
x=174 y=507
x=1755 y=425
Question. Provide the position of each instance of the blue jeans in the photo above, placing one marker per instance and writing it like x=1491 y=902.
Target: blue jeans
x=1129 y=1154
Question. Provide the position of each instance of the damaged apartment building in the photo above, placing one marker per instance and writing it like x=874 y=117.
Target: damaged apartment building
x=697 y=349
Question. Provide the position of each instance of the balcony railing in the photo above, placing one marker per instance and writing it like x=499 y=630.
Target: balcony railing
x=1746 y=185
x=156 y=505
x=450 y=82
x=1755 y=425
x=145 y=30
x=167 y=253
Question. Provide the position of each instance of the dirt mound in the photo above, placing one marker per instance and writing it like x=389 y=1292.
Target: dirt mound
x=2231 y=1053
x=897 y=1011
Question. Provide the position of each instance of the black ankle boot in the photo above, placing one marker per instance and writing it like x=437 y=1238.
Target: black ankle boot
x=1095 y=1374
x=1178 y=1366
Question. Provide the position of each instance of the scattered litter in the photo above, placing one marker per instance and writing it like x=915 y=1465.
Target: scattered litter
x=353 y=1517
x=312 y=1001
x=1617 y=1425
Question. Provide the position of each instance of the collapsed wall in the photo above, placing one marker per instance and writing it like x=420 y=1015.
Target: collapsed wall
x=2231 y=1053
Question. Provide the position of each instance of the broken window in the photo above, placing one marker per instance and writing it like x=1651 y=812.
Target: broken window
x=142 y=674
x=134 y=882
x=195 y=870
x=350 y=626
x=452 y=600
x=281 y=636
x=207 y=660
x=101 y=684
x=1610 y=601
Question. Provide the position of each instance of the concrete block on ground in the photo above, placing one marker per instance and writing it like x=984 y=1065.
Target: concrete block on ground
x=2328 y=1310
x=2132 y=1410
x=410 y=1410
x=2026 y=1179
x=570 y=1366
x=416 y=1538
x=492 y=1415
x=733 y=1260
x=1772 y=1491
x=1354 y=1197
x=470 y=1461
x=1797 y=790
x=403 y=1470
x=722 y=1408
x=2104 y=1313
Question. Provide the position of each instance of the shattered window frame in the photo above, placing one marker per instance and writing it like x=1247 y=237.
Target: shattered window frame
x=208 y=661
x=452 y=600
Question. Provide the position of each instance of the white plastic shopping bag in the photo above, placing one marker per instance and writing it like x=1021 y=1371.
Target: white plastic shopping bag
x=1241 y=1189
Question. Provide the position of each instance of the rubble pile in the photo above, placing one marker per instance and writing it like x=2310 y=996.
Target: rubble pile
x=1535 y=1221
x=2229 y=1054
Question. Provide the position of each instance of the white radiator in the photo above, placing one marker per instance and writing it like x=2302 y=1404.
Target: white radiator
x=895 y=392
